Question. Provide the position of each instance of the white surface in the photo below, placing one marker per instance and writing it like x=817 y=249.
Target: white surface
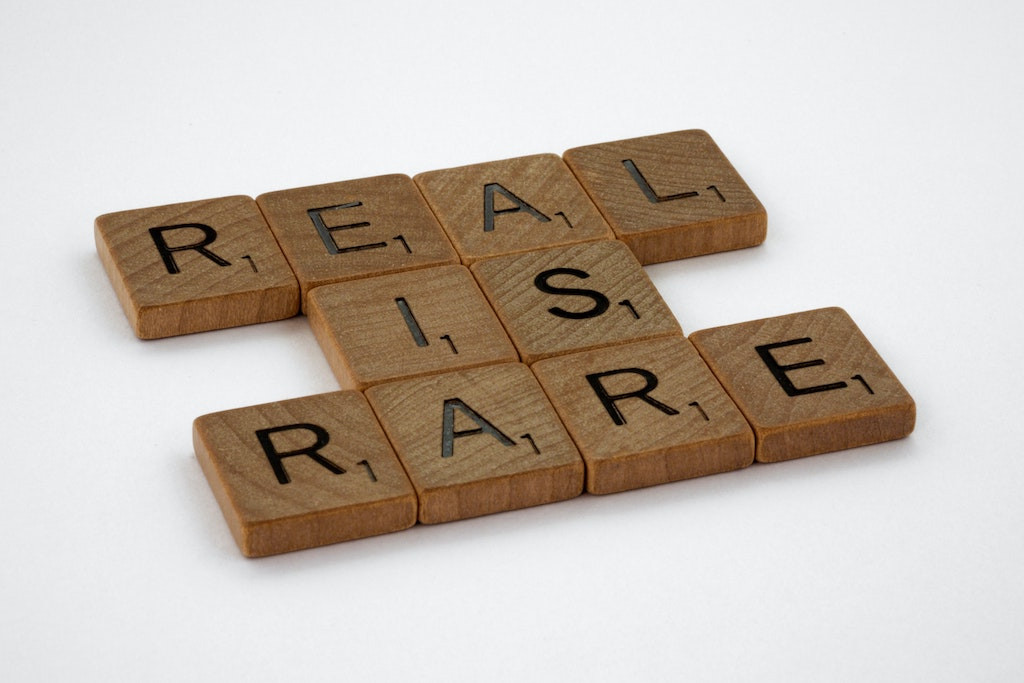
x=886 y=144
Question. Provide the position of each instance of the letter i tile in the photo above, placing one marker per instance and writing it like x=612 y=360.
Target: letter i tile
x=808 y=383
x=646 y=413
x=304 y=472
x=406 y=324
x=478 y=441
x=196 y=266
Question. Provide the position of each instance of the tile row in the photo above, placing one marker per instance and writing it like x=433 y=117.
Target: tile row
x=231 y=261
x=445 y=446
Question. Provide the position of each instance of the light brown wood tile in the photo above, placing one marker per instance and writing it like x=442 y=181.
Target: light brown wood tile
x=195 y=266
x=478 y=441
x=511 y=206
x=355 y=228
x=670 y=196
x=303 y=473
x=574 y=298
x=808 y=383
x=646 y=413
x=405 y=325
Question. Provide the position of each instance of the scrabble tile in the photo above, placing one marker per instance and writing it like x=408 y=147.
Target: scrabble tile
x=303 y=473
x=512 y=206
x=574 y=298
x=355 y=228
x=478 y=441
x=808 y=383
x=670 y=196
x=646 y=413
x=406 y=324
x=196 y=266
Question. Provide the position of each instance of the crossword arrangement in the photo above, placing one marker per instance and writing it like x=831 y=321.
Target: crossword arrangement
x=497 y=341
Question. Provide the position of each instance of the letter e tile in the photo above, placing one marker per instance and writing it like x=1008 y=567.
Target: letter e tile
x=646 y=413
x=355 y=228
x=478 y=441
x=196 y=266
x=808 y=383
x=303 y=473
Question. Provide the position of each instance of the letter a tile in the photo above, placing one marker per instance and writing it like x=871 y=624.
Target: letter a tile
x=808 y=383
x=670 y=196
x=478 y=441
x=196 y=266
x=511 y=206
x=303 y=473
x=646 y=413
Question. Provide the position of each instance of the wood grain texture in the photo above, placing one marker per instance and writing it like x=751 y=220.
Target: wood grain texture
x=574 y=298
x=808 y=383
x=233 y=274
x=670 y=196
x=511 y=206
x=367 y=492
x=506 y=448
x=355 y=228
x=646 y=413
x=405 y=325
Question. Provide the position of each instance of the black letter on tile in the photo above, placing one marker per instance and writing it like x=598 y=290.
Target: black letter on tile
x=779 y=371
x=167 y=252
x=652 y=196
x=449 y=433
x=608 y=400
x=326 y=232
x=275 y=457
x=601 y=302
x=520 y=205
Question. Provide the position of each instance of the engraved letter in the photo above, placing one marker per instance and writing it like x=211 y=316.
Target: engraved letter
x=779 y=371
x=608 y=400
x=326 y=232
x=520 y=205
x=449 y=433
x=275 y=457
x=167 y=252
x=601 y=302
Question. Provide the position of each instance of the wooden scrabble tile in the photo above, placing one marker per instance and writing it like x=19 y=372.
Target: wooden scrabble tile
x=355 y=228
x=511 y=206
x=574 y=298
x=670 y=196
x=646 y=413
x=478 y=441
x=808 y=383
x=196 y=266
x=303 y=473
x=406 y=324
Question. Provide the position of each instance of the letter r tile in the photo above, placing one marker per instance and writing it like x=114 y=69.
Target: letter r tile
x=670 y=196
x=406 y=324
x=478 y=441
x=196 y=266
x=808 y=383
x=646 y=413
x=303 y=473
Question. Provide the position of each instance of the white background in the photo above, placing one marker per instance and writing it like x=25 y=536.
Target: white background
x=885 y=141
